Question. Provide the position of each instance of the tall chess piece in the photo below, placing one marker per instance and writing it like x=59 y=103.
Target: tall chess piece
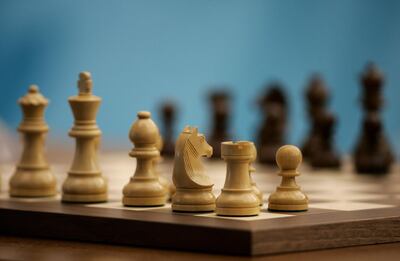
x=33 y=177
x=316 y=97
x=168 y=116
x=318 y=147
x=372 y=153
x=288 y=195
x=220 y=105
x=237 y=197
x=271 y=134
x=84 y=182
x=193 y=186
x=144 y=188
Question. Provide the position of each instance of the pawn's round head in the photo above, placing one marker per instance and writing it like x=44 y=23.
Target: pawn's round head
x=288 y=157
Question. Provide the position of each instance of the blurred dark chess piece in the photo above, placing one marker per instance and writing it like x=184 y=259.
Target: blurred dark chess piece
x=220 y=106
x=271 y=135
x=168 y=117
x=323 y=154
x=318 y=147
x=316 y=97
x=372 y=152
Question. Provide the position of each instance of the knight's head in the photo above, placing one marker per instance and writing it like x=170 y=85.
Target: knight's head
x=199 y=143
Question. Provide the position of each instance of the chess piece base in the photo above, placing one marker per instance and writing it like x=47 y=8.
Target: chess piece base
x=143 y=201
x=193 y=208
x=193 y=200
x=144 y=192
x=237 y=212
x=32 y=193
x=33 y=183
x=288 y=199
x=84 y=198
x=84 y=188
x=281 y=207
x=242 y=202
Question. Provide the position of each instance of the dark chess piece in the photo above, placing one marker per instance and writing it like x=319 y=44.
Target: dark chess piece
x=316 y=97
x=323 y=154
x=168 y=118
x=271 y=135
x=318 y=147
x=372 y=154
x=220 y=106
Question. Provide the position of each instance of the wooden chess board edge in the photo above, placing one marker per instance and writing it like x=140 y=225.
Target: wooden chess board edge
x=163 y=230
x=124 y=232
x=148 y=215
x=325 y=236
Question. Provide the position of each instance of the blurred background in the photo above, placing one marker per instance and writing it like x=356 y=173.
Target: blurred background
x=141 y=53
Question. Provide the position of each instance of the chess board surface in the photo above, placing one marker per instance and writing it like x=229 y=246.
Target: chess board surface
x=345 y=209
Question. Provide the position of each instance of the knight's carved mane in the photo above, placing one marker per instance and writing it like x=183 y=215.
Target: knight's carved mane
x=189 y=154
x=190 y=158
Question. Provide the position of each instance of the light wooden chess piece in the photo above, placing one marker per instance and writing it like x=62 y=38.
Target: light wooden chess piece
x=144 y=188
x=288 y=196
x=237 y=198
x=256 y=190
x=193 y=186
x=33 y=177
x=163 y=180
x=84 y=182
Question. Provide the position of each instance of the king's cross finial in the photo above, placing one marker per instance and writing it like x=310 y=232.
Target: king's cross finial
x=85 y=83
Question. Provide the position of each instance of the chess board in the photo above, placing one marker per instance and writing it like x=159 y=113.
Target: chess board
x=345 y=209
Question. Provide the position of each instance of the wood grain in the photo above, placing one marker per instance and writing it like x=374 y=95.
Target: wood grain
x=185 y=232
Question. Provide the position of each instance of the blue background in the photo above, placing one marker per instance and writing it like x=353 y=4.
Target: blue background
x=142 y=52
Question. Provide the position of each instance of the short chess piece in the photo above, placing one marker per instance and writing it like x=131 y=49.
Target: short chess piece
x=237 y=197
x=144 y=188
x=256 y=190
x=168 y=117
x=316 y=96
x=85 y=183
x=372 y=153
x=288 y=195
x=220 y=107
x=271 y=134
x=32 y=177
x=193 y=186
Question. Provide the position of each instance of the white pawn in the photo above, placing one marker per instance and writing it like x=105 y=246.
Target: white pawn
x=237 y=198
x=288 y=196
